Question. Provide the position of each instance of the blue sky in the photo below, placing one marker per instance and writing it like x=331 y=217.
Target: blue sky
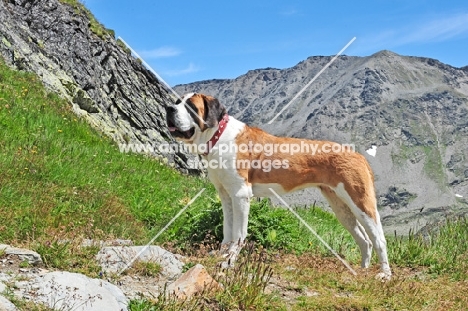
x=186 y=41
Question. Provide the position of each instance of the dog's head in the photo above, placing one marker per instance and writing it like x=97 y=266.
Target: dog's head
x=193 y=113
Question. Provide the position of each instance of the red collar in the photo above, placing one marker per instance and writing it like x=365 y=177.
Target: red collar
x=214 y=139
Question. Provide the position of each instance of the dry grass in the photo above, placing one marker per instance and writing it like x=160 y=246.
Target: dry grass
x=334 y=288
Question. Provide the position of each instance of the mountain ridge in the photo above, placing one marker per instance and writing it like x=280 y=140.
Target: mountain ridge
x=385 y=52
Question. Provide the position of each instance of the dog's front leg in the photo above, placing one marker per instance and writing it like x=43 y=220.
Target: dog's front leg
x=226 y=203
x=240 y=209
x=228 y=216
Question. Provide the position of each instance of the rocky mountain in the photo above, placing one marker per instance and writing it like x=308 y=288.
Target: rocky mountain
x=79 y=59
x=413 y=109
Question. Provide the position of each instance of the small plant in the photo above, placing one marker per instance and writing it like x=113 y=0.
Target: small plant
x=95 y=26
x=188 y=266
x=245 y=283
x=24 y=264
x=145 y=268
x=203 y=222
x=55 y=253
x=69 y=255
x=243 y=288
x=168 y=301
x=124 y=47
x=65 y=298
x=23 y=304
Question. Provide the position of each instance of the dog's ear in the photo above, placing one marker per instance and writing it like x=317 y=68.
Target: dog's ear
x=214 y=111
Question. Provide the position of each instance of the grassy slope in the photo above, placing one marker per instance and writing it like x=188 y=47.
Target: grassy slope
x=61 y=180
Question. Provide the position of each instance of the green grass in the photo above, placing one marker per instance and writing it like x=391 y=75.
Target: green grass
x=61 y=181
x=96 y=27
x=275 y=228
x=145 y=268
x=443 y=251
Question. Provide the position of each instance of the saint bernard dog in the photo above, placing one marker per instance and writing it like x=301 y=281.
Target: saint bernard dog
x=344 y=177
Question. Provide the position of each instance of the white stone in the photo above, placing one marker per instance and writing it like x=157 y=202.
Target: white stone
x=372 y=151
x=24 y=254
x=114 y=259
x=72 y=291
x=6 y=305
x=2 y=288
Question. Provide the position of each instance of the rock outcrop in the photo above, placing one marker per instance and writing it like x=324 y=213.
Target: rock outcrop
x=31 y=257
x=194 y=281
x=115 y=258
x=23 y=277
x=80 y=60
x=413 y=109
x=61 y=290
x=6 y=305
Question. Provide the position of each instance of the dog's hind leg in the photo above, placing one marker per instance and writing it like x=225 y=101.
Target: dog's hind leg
x=370 y=221
x=349 y=221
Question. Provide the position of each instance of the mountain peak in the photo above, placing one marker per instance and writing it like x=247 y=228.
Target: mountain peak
x=385 y=53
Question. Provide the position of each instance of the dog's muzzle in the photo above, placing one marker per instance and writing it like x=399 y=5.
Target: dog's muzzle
x=175 y=131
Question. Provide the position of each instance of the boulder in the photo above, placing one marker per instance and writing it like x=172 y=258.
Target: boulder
x=32 y=257
x=114 y=259
x=73 y=291
x=6 y=305
x=194 y=281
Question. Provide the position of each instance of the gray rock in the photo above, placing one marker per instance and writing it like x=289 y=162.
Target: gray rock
x=21 y=284
x=2 y=287
x=114 y=259
x=85 y=102
x=6 y=305
x=24 y=254
x=73 y=291
x=5 y=277
x=396 y=198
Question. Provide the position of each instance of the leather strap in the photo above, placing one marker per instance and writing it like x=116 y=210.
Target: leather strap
x=221 y=127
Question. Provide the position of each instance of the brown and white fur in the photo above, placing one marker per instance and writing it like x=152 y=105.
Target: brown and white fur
x=345 y=178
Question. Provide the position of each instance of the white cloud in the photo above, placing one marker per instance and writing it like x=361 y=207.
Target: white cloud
x=191 y=68
x=438 y=29
x=165 y=51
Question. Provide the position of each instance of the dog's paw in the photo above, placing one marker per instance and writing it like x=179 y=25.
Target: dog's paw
x=224 y=249
x=384 y=276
